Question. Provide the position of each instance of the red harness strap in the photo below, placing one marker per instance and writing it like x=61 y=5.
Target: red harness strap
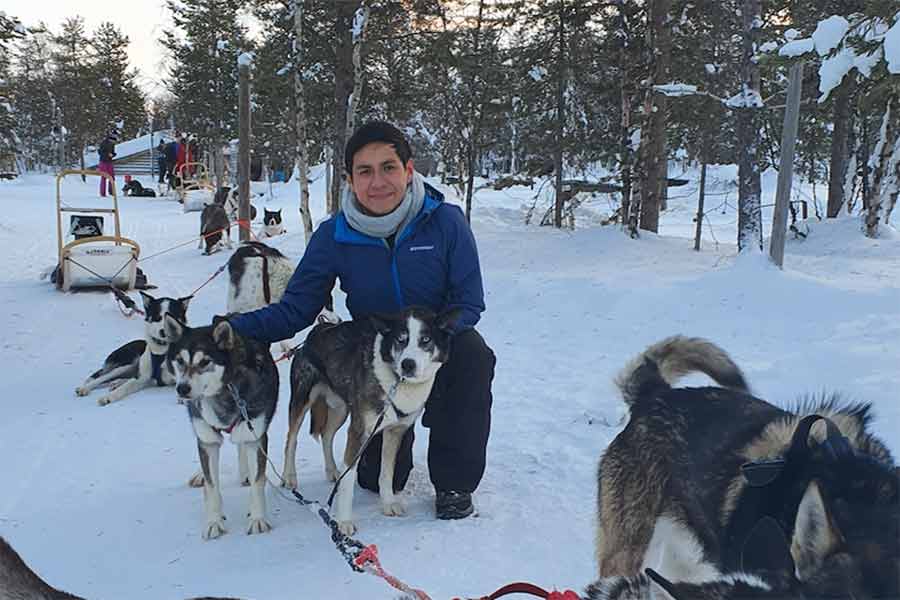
x=527 y=588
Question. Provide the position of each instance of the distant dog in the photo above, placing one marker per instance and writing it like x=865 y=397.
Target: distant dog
x=365 y=368
x=214 y=228
x=257 y=275
x=134 y=188
x=272 y=225
x=230 y=385
x=229 y=200
x=139 y=363
x=711 y=493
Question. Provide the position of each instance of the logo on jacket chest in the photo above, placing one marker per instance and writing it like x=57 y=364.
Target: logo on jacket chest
x=421 y=248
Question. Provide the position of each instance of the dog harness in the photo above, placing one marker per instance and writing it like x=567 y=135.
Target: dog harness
x=156 y=363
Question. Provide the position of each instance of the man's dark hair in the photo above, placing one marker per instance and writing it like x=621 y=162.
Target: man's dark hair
x=376 y=131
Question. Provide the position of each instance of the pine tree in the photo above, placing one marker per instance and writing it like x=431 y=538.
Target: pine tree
x=10 y=29
x=207 y=39
x=34 y=101
x=119 y=99
x=76 y=89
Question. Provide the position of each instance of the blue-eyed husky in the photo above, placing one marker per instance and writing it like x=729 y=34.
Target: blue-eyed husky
x=139 y=363
x=365 y=368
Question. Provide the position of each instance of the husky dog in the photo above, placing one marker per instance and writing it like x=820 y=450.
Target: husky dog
x=272 y=225
x=229 y=200
x=134 y=188
x=723 y=495
x=230 y=385
x=139 y=363
x=214 y=227
x=378 y=370
x=258 y=275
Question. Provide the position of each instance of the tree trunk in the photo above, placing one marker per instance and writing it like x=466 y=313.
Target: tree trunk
x=343 y=86
x=656 y=165
x=837 y=169
x=300 y=150
x=749 y=185
x=360 y=21
x=884 y=148
x=560 y=118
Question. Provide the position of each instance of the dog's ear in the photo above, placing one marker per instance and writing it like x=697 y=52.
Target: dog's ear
x=767 y=550
x=174 y=328
x=815 y=534
x=223 y=335
x=381 y=323
x=185 y=301
x=147 y=300
x=446 y=321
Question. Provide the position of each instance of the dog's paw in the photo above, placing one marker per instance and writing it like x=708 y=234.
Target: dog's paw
x=289 y=481
x=346 y=527
x=395 y=508
x=258 y=526
x=214 y=529
x=82 y=391
x=104 y=400
x=196 y=480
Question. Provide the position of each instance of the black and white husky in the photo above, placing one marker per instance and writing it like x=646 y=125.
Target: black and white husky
x=272 y=225
x=139 y=363
x=230 y=385
x=370 y=369
x=257 y=275
x=713 y=494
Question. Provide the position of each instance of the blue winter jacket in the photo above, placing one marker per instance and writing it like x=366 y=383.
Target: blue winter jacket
x=434 y=263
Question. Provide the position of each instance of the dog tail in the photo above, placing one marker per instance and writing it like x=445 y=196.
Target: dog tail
x=318 y=419
x=665 y=362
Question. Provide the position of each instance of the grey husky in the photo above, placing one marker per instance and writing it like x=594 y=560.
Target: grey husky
x=712 y=493
x=377 y=370
x=230 y=385
x=139 y=363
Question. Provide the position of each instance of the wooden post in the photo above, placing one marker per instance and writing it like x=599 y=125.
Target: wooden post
x=786 y=167
x=244 y=148
x=700 y=206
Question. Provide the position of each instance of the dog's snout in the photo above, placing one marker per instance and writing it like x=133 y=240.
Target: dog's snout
x=408 y=367
x=183 y=389
x=162 y=334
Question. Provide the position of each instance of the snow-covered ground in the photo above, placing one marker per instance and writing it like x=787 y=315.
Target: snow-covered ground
x=95 y=499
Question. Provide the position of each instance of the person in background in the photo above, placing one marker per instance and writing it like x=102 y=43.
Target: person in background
x=161 y=160
x=107 y=151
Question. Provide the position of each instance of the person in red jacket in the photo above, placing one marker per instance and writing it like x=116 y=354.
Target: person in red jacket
x=180 y=157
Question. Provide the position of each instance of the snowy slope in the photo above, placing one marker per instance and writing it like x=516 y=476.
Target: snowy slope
x=95 y=499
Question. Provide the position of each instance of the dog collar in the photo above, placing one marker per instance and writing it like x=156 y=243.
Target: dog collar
x=230 y=428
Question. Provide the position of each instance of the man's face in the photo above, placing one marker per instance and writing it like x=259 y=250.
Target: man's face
x=379 y=178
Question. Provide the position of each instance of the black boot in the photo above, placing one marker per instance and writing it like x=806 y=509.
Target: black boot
x=449 y=504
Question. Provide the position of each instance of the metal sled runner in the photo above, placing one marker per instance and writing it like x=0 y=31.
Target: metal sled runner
x=93 y=259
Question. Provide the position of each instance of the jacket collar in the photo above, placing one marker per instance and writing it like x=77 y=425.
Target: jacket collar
x=345 y=234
